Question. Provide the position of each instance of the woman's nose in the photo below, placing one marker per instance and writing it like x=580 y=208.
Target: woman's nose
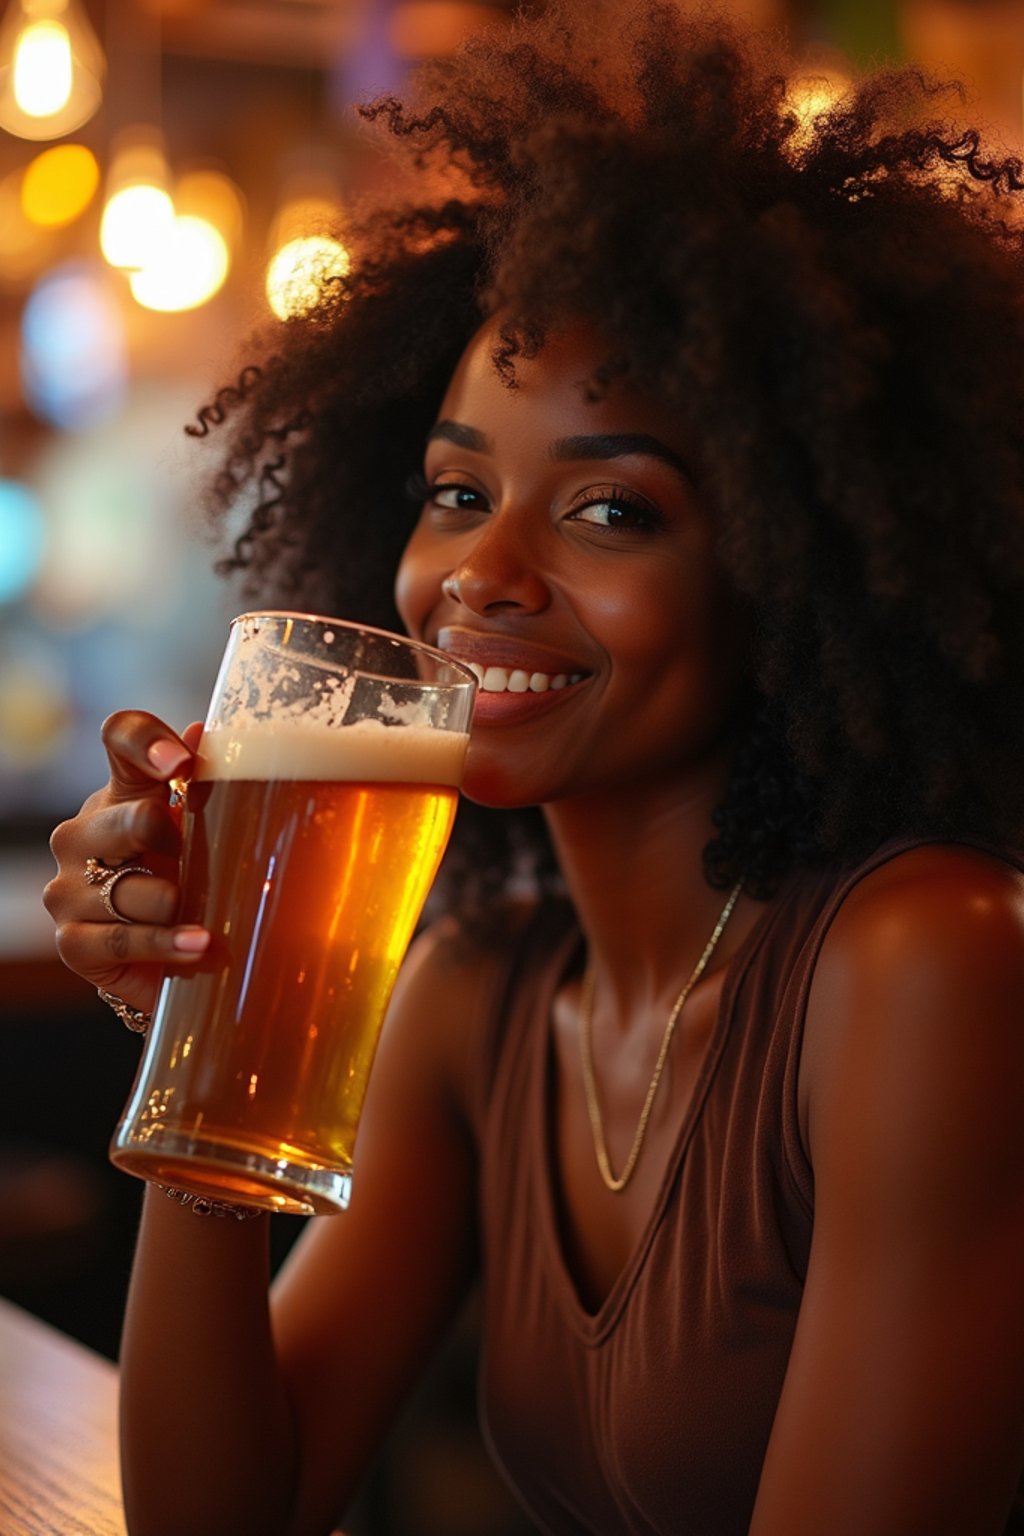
x=498 y=574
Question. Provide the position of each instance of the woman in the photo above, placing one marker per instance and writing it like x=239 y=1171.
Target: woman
x=723 y=457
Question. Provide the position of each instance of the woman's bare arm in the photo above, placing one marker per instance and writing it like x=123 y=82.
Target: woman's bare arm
x=903 y=1407
x=365 y=1298
x=239 y=1417
x=234 y=1421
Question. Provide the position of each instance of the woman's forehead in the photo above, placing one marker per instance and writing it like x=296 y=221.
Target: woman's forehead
x=558 y=381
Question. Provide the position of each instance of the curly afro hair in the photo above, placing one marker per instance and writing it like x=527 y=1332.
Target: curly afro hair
x=839 y=312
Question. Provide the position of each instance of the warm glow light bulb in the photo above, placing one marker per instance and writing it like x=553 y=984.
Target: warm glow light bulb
x=136 y=223
x=51 y=68
x=189 y=268
x=42 y=68
x=59 y=184
x=210 y=195
x=301 y=271
x=808 y=98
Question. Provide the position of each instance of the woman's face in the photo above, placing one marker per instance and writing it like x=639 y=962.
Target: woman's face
x=563 y=552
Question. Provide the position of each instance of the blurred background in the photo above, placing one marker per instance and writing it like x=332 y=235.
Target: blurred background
x=169 y=170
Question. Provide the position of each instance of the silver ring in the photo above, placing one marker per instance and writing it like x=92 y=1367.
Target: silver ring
x=107 y=888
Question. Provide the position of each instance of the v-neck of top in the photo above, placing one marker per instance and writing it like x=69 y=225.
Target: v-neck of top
x=595 y=1326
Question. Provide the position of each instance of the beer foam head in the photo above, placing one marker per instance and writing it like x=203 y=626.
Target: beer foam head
x=365 y=752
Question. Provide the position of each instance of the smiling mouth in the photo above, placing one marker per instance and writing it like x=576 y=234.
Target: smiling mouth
x=516 y=680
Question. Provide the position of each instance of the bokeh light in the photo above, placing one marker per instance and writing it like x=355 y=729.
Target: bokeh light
x=209 y=194
x=43 y=68
x=59 y=185
x=52 y=70
x=114 y=504
x=300 y=273
x=73 y=364
x=315 y=210
x=187 y=271
x=22 y=539
x=135 y=226
x=36 y=710
x=421 y=31
x=809 y=97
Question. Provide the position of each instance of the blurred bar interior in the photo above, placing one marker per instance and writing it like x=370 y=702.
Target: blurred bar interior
x=168 y=169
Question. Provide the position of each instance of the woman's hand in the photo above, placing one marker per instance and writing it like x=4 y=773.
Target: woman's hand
x=129 y=822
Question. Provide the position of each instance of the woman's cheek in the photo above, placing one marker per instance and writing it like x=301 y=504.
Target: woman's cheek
x=411 y=592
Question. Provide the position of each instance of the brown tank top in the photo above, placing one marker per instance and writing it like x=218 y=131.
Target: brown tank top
x=653 y=1414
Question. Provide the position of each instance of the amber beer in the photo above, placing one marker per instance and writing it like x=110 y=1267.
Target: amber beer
x=323 y=793
x=311 y=887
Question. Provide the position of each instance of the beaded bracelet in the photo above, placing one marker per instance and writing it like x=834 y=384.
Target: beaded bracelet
x=202 y=1205
x=135 y=1019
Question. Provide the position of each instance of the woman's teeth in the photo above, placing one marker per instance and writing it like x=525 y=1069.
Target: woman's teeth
x=499 y=680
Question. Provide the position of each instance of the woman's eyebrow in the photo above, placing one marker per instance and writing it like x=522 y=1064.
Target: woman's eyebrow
x=462 y=436
x=599 y=445
x=618 y=445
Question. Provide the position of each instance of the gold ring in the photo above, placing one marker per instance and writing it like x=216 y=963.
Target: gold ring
x=96 y=871
x=110 y=881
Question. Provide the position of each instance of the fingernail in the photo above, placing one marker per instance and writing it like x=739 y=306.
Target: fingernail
x=166 y=756
x=190 y=941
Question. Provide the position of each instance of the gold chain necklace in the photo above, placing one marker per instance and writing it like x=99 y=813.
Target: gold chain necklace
x=589 y=1084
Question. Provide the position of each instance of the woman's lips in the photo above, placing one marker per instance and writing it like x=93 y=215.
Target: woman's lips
x=516 y=679
x=471 y=647
x=492 y=705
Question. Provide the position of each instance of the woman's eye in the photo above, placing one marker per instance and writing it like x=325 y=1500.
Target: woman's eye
x=618 y=511
x=455 y=498
x=447 y=496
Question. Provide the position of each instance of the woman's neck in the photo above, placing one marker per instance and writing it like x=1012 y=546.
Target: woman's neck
x=635 y=873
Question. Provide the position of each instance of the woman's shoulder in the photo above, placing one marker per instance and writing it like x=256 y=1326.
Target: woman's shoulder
x=454 y=980
x=451 y=953
x=917 y=998
x=935 y=929
x=945 y=899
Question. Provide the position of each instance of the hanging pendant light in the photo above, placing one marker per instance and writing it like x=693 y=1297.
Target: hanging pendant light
x=51 y=68
x=138 y=212
x=307 y=258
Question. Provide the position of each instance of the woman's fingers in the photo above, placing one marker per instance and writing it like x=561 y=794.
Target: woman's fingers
x=128 y=958
x=76 y=895
x=119 y=831
x=130 y=819
x=143 y=752
x=92 y=948
x=136 y=897
x=115 y=896
x=123 y=835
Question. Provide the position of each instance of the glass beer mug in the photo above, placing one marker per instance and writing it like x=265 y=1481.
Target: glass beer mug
x=323 y=794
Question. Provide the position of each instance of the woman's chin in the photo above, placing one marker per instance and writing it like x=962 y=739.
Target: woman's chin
x=492 y=784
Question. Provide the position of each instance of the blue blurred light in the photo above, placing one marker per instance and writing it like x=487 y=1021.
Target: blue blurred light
x=73 y=348
x=22 y=538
